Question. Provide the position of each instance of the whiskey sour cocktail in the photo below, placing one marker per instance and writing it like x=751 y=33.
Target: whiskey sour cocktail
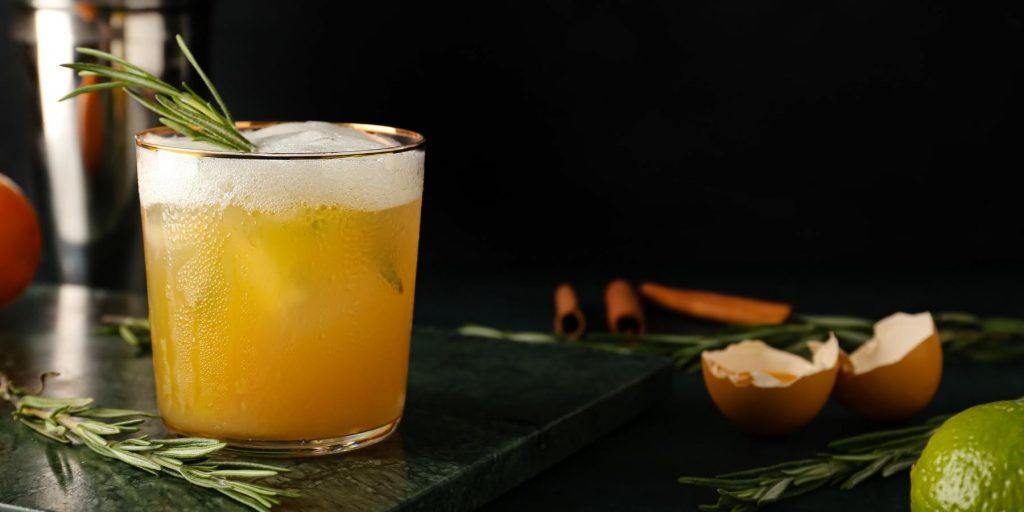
x=281 y=282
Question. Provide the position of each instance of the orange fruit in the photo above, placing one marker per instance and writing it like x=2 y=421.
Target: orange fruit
x=20 y=241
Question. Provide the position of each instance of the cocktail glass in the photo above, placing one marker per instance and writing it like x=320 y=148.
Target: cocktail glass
x=281 y=289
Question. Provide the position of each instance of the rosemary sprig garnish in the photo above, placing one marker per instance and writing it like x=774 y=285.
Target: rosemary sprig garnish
x=849 y=462
x=182 y=110
x=75 y=421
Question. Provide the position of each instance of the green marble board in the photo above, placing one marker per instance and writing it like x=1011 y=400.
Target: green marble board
x=481 y=417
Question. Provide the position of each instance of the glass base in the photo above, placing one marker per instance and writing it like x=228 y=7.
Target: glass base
x=312 y=447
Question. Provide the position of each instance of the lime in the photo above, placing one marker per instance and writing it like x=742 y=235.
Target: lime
x=974 y=462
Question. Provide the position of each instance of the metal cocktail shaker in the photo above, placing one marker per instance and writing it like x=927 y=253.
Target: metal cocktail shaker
x=84 y=164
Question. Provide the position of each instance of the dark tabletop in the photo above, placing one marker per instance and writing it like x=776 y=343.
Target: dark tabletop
x=636 y=467
x=481 y=416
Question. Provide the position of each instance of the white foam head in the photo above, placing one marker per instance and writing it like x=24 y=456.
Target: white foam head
x=314 y=137
x=365 y=182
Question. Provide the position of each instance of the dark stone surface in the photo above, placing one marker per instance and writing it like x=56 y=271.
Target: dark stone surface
x=635 y=468
x=481 y=417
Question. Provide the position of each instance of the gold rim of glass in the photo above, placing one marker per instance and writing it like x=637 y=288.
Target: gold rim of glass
x=416 y=141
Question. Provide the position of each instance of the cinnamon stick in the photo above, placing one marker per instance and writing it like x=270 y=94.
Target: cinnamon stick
x=719 y=307
x=569 y=320
x=625 y=315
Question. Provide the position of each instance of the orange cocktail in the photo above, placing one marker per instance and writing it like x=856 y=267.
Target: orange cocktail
x=281 y=289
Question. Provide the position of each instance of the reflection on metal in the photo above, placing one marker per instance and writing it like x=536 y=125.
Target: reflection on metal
x=61 y=148
x=84 y=169
x=71 y=326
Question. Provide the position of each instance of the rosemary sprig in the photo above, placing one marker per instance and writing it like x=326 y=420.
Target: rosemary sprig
x=182 y=110
x=685 y=349
x=75 y=421
x=849 y=462
x=963 y=336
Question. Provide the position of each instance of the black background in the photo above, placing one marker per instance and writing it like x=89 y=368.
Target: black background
x=846 y=135
x=850 y=157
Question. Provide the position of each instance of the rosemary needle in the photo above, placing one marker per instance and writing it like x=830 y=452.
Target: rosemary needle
x=73 y=420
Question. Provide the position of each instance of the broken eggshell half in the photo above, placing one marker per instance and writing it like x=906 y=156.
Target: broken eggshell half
x=895 y=373
x=769 y=391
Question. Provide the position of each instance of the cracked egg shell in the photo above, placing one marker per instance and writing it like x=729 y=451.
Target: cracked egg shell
x=894 y=374
x=768 y=391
